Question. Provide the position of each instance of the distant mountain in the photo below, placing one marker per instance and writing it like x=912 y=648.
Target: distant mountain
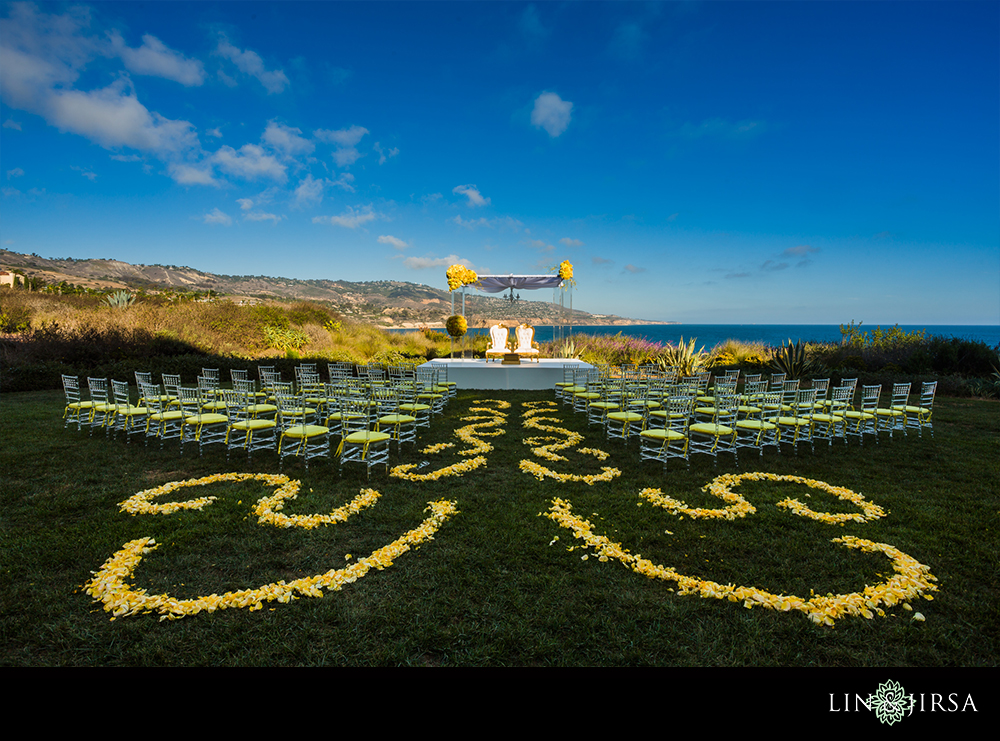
x=389 y=303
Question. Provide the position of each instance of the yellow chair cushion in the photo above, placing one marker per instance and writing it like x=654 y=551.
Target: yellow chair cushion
x=299 y=431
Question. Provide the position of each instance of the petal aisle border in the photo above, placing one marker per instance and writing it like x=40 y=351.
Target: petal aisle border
x=109 y=584
x=487 y=424
x=912 y=578
x=267 y=509
x=545 y=446
x=722 y=487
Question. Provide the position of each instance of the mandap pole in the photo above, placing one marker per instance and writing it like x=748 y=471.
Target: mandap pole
x=465 y=337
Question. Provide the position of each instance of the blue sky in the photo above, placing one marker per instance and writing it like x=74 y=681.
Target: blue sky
x=703 y=162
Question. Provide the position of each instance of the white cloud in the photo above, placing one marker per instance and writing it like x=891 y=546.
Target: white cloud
x=192 y=175
x=249 y=162
x=351 y=218
x=155 y=59
x=633 y=269
x=422 y=263
x=471 y=223
x=12 y=124
x=472 y=193
x=309 y=192
x=114 y=117
x=571 y=242
x=344 y=181
x=346 y=140
x=384 y=154
x=15 y=173
x=89 y=174
x=502 y=222
x=250 y=63
x=216 y=132
x=551 y=113
x=215 y=216
x=348 y=137
x=399 y=244
x=541 y=245
x=259 y=216
x=346 y=156
x=41 y=59
x=287 y=140
x=245 y=203
x=601 y=261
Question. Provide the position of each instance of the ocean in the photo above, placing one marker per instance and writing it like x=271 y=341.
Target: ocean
x=711 y=335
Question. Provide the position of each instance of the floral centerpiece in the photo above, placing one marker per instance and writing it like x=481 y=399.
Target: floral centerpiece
x=459 y=275
x=456 y=325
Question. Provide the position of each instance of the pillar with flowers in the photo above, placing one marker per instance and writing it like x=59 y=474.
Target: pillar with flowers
x=458 y=277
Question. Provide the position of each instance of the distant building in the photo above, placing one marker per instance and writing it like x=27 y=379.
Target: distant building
x=6 y=278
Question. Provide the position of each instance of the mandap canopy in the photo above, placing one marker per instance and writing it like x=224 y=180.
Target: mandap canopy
x=460 y=276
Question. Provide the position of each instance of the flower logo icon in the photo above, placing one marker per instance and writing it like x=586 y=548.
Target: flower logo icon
x=890 y=702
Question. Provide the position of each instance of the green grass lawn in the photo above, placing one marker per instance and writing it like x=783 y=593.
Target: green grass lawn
x=499 y=584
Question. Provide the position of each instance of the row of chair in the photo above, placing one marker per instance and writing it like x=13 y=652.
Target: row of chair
x=367 y=411
x=674 y=417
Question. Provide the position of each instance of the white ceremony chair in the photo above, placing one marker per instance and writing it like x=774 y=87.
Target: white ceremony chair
x=499 y=337
x=525 y=334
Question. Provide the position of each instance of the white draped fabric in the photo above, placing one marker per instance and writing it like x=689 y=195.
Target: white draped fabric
x=498 y=283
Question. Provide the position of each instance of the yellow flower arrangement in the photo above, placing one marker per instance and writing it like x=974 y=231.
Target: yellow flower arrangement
x=109 y=584
x=566 y=270
x=912 y=578
x=459 y=275
x=545 y=446
x=456 y=325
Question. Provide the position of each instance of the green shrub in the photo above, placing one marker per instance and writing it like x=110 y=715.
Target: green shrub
x=285 y=339
x=306 y=312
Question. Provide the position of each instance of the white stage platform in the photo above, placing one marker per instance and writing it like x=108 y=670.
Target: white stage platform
x=528 y=376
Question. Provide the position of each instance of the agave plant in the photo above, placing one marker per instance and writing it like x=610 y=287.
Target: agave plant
x=683 y=357
x=568 y=350
x=793 y=361
x=120 y=299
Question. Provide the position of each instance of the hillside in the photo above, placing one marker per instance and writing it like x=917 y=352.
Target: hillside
x=384 y=302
